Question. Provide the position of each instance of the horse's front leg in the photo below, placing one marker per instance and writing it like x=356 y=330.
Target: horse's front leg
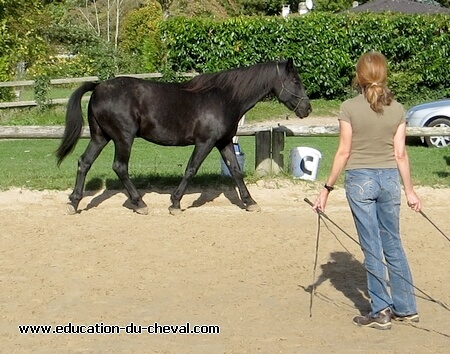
x=198 y=156
x=230 y=159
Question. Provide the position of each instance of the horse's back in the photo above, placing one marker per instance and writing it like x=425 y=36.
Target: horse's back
x=163 y=113
x=140 y=94
x=128 y=90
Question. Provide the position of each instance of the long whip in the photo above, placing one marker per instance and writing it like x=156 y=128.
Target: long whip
x=322 y=214
x=313 y=290
x=432 y=223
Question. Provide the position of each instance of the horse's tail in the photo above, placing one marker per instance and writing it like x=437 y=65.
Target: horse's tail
x=74 y=121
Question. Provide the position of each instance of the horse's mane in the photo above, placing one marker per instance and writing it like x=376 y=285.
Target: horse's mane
x=242 y=82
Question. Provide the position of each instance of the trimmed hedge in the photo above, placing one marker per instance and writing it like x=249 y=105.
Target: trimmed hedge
x=324 y=46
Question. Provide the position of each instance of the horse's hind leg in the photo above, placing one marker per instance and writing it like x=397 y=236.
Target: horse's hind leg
x=198 y=156
x=229 y=157
x=120 y=167
x=95 y=146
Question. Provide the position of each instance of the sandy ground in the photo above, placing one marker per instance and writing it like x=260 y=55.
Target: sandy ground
x=249 y=274
x=215 y=264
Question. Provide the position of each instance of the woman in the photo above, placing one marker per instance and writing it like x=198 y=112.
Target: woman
x=372 y=152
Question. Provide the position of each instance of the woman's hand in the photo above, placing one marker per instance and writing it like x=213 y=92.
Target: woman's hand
x=321 y=201
x=413 y=201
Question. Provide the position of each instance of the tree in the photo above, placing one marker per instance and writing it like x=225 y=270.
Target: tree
x=140 y=35
x=20 y=40
x=265 y=7
x=443 y=3
x=249 y=7
x=22 y=22
x=102 y=16
x=335 y=5
x=165 y=6
x=202 y=8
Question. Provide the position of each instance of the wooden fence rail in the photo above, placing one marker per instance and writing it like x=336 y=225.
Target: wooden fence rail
x=269 y=140
x=64 y=100
x=279 y=134
x=56 y=131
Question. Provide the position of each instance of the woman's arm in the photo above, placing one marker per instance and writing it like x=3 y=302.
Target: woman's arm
x=401 y=156
x=340 y=160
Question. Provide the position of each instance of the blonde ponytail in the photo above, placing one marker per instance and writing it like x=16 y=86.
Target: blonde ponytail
x=371 y=79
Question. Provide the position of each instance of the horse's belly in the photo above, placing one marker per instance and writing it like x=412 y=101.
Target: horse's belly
x=169 y=139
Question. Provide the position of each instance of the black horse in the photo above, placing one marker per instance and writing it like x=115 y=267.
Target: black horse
x=204 y=112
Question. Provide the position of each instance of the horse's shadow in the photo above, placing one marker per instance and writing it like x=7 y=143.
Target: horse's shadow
x=348 y=276
x=163 y=185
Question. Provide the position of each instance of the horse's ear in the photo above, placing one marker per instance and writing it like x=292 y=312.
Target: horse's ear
x=290 y=64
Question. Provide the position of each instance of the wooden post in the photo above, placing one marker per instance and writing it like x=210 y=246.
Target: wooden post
x=263 y=162
x=277 y=151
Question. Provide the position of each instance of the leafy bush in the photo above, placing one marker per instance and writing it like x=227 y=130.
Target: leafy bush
x=324 y=46
x=140 y=35
x=6 y=93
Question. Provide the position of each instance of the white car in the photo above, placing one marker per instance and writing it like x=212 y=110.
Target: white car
x=431 y=114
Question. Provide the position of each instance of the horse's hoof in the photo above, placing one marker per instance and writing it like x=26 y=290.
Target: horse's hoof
x=174 y=211
x=71 y=210
x=253 y=208
x=142 y=210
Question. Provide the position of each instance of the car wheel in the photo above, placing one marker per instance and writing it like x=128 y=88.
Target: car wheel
x=438 y=141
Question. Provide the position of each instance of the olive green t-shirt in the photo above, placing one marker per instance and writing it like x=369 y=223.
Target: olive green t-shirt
x=372 y=133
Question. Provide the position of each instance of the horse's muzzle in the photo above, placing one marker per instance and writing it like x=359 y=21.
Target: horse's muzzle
x=303 y=109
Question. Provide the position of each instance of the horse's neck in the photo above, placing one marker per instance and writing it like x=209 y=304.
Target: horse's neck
x=248 y=104
x=248 y=97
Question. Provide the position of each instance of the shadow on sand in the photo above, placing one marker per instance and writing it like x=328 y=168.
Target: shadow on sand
x=209 y=186
x=347 y=275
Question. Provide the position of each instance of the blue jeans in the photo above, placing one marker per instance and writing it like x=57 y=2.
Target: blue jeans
x=374 y=199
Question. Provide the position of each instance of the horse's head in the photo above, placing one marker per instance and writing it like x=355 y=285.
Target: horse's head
x=290 y=90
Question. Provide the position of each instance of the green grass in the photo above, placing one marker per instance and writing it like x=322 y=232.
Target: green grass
x=56 y=91
x=266 y=110
x=33 y=116
x=31 y=164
